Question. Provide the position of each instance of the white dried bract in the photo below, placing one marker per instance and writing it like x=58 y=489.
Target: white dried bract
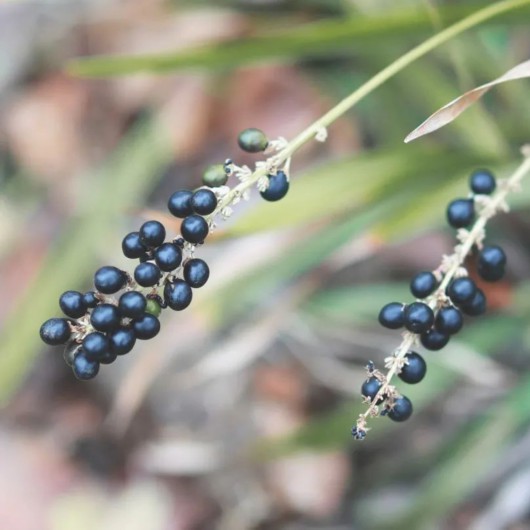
x=226 y=212
x=263 y=183
x=274 y=146
x=321 y=135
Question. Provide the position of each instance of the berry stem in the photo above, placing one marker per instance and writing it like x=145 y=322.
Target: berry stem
x=315 y=129
x=456 y=260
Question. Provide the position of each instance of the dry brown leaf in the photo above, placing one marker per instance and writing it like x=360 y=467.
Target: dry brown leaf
x=453 y=109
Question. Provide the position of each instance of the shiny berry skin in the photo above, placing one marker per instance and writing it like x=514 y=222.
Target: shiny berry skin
x=179 y=203
x=132 y=246
x=71 y=351
x=105 y=317
x=147 y=327
x=460 y=213
x=392 y=315
x=122 y=341
x=215 y=176
x=491 y=263
x=482 y=182
x=418 y=317
x=153 y=307
x=423 y=284
x=415 y=369
x=168 y=257
x=107 y=358
x=461 y=290
x=95 y=346
x=72 y=304
x=178 y=295
x=147 y=274
x=252 y=140
x=84 y=368
x=90 y=298
x=434 y=340
x=194 y=229
x=278 y=187
x=132 y=304
x=55 y=331
x=370 y=389
x=204 y=201
x=196 y=272
x=401 y=409
x=477 y=306
x=109 y=280
x=449 y=320
x=152 y=234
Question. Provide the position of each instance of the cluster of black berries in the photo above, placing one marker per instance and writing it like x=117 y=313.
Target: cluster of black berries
x=441 y=315
x=102 y=324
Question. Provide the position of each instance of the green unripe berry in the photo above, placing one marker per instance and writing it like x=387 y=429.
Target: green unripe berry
x=252 y=140
x=153 y=307
x=215 y=176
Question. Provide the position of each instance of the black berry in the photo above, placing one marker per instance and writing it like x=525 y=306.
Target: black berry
x=90 y=298
x=55 y=331
x=460 y=213
x=132 y=246
x=132 y=304
x=178 y=295
x=122 y=341
x=449 y=320
x=84 y=368
x=204 y=201
x=401 y=409
x=147 y=274
x=152 y=234
x=278 y=187
x=482 y=182
x=194 y=229
x=415 y=368
x=491 y=263
x=461 y=290
x=105 y=317
x=370 y=389
x=423 y=284
x=168 y=257
x=196 y=272
x=392 y=315
x=477 y=306
x=109 y=280
x=72 y=350
x=72 y=304
x=434 y=340
x=179 y=203
x=95 y=346
x=147 y=327
x=419 y=317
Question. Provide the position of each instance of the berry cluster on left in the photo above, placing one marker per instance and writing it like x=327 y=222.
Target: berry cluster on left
x=104 y=323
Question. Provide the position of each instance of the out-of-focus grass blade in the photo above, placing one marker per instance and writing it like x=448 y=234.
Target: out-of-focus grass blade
x=342 y=187
x=312 y=40
x=122 y=184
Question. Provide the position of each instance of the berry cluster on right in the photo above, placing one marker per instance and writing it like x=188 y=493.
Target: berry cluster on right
x=443 y=297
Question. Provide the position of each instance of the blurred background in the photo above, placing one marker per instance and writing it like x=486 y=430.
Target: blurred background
x=238 y=415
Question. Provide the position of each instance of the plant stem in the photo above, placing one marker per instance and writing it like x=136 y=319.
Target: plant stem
x=373 y=83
